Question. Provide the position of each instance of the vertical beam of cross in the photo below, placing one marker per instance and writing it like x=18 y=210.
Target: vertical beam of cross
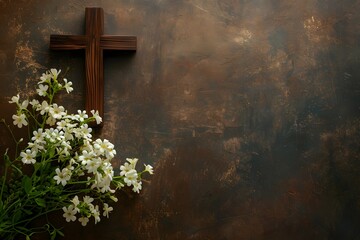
x=93 y=42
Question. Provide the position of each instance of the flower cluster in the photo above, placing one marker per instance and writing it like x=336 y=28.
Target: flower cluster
x=71 y=171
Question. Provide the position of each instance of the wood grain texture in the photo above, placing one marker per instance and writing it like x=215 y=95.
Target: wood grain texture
x=118 y=42
x=248 y=110
x=68 y=42
x=94 y=42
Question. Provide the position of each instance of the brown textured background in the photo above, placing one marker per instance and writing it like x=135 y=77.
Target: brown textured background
x=248 y=110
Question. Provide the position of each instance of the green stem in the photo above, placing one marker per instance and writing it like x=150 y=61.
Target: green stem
x=4 y=181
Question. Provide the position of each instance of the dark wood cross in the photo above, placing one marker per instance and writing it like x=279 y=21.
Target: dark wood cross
x=94 y=42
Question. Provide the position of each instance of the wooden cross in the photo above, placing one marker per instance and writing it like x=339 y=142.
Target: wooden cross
x=94 y=42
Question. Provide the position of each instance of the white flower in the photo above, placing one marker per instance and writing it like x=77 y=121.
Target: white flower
x=149 y=169
x=63 y=176
x=108 y=170
x=62 y=124
x=45 y=78
x=125 y=168
x=15 y=99
x=93 y=164
x=54 y=73
x=68 y=134
x=132 y=161
x=96 y=115
x=28 y=157
x=68 y=85
x=84 y=221
x=36 y=147
x=102 y=183
x=81 y=116
x=42 y=90
x=24 y=104
x=86 y=156
x=54 y=135
x=69 y=213
x=20 y=120
x=35 y=103
x=43 y=108
x=107 y=210
x=88 y=200
x=38 y=136
x=131 y=164
x=137 y=186
x=131 y=177
x=76 y=202
x=105 y=147
x=57 y=111
x=84 y=131
x=96 y=213
x=51 y=121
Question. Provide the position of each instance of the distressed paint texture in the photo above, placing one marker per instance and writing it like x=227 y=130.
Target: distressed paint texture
x=249 y=111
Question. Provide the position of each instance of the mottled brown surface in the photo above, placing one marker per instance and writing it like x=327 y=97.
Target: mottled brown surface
x=249 y=111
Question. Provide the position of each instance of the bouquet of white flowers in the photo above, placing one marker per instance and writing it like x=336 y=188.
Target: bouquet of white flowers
x=69 y=170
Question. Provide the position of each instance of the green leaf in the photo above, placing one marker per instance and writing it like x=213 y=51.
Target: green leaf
x=28 y=212
x=60 y=233
x=41 y=202
x=53 y=236
x=17 y=216
x=27 y=184
x=7 y=159
x=37 y=165
x=51 y=152
x=28 y=238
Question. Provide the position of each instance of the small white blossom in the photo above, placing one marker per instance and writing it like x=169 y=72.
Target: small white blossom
x=54 y=73
x=68 y=85
x=38 y=136
x=28 y=157
x=20 y=120
x=42 y=90
x=62 y=176
x=45 y=78
x=96 y=115
x=84 y=132
x=86 y=156
x=51 y=121
x=96 y=214
x=88 y=200
x=81 y=116
x=24 y=104
x=75 y=201
x=131 y=177
x=36 y=147
x=149 y=169
x=69 y=213
x=43 y=108
x=137 y=186
x=35 y=103
x=105 y=147
x=15 y=99
x=102 y=183
x=107 y=210
x=84 y=221
x=93 y=164
x=132 y=161
x=131 y=164
x=57 y=111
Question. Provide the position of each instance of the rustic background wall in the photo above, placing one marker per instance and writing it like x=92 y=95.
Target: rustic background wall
x=249 y=111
